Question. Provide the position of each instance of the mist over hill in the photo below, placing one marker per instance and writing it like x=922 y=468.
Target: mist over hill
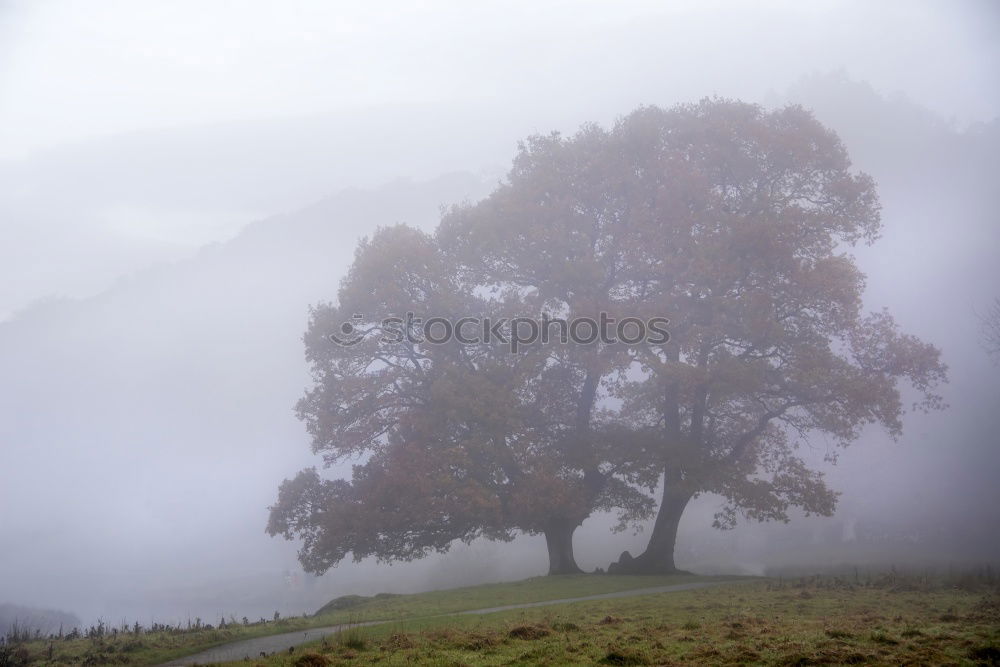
x=32 y=620
x=147 y=423
x=108 y=207
x=198 y=360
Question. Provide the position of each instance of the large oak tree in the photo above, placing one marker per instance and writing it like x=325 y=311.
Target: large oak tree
x=734 y=222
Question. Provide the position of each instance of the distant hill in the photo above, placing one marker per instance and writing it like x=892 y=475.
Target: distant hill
x=44 y=621
x=110 y=206
x=164 y=405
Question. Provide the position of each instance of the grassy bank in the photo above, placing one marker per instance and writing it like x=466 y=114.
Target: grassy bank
x=126 y=647
x=889 y=620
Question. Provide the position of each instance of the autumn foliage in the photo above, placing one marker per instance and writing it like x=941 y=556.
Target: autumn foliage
x=734 y=222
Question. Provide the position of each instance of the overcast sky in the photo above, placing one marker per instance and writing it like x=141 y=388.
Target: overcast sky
x=73 y=69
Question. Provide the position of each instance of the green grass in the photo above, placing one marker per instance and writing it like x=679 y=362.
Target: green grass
x=536 y=589
x=153 y=648
x=148 y=648
x=887 y=620
x=815 y=621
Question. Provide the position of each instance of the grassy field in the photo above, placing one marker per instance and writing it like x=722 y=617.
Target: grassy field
x=124 y=647
x=890 y=620
x=535 y=589
x=885 y=620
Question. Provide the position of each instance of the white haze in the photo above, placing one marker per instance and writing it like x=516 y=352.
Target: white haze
x=179 y=181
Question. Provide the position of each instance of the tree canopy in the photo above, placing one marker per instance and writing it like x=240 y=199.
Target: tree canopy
x=734 y=222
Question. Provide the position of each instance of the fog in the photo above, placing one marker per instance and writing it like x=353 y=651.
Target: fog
x=180 y=181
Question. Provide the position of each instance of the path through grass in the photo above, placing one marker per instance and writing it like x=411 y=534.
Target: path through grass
x=815 y=621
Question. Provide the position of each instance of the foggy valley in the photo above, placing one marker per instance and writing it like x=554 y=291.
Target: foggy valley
x=180 y=184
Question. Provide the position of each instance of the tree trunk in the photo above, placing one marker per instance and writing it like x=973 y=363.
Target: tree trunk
x=559 y=540
x=658 y=558
x=659 y=554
